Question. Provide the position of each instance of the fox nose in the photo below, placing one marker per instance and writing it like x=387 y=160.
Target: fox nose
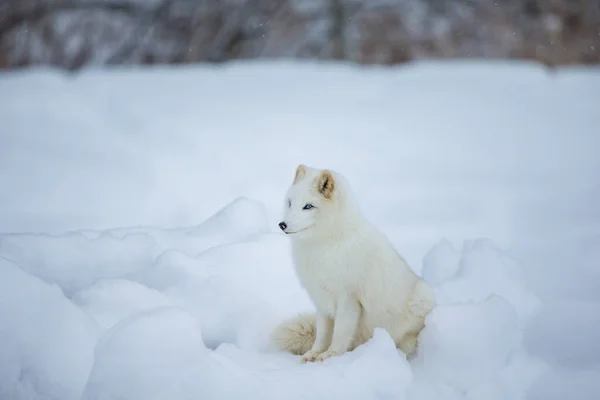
x=282 y=226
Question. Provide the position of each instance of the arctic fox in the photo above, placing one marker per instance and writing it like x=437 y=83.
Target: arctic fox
x=355 y=278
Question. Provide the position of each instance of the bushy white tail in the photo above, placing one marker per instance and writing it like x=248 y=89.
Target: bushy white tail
x=296 y=335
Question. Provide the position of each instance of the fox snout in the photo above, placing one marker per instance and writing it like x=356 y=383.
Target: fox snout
x=282 y=226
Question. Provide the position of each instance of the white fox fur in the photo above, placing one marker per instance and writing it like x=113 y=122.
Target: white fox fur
x=353 y=275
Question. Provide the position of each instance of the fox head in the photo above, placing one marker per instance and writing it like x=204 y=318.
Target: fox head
x=309 y=201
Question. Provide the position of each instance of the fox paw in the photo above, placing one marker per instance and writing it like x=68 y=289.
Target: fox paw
x=309 y=356
x=325 y=355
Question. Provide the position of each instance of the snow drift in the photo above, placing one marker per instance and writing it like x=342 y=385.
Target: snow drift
x=140 y=316
x=147 y=301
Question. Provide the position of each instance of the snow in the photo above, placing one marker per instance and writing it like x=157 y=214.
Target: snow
x=493 y=273
x=154 y=354
x=47 y=343
x=141 y=257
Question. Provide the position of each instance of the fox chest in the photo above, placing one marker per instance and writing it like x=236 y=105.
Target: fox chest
x=325 y=280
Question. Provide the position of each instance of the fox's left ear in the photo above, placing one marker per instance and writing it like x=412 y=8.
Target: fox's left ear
x=300 y=172
x=326 y=184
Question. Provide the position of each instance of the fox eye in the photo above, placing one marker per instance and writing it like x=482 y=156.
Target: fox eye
x=289 y=203
x=307 y=207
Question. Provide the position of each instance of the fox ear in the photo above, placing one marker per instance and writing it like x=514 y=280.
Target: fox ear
x=326 y=184
x=300 y=172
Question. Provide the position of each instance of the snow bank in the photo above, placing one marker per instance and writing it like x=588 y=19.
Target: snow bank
x=238 y=291
x=156 y=354
x=46 y=342
x=473 y=343
x=109 y=301
x=180 y=323
x=75 y=261
x=481 y=271
x=140 y=158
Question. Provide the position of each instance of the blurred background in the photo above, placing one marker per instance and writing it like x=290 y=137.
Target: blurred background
x=72 y=34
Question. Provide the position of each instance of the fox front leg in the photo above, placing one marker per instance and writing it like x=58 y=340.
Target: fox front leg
x=322 y=339
x=345 y=325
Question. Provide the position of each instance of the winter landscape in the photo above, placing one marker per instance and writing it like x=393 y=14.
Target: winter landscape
x=141 y=258
x=146 y=148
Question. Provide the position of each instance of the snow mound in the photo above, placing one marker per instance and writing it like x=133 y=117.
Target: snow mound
x=159 y=354
x=238 y=291
x=46 y=343
x=468 y=343
x=440 y=263
x=473 y=344
x=181 y=313
x=75 y=261
x=481 y=271
x=156 y=354
x=375 y=370
x=476 y=349
x=237 y=220
x=109 y=301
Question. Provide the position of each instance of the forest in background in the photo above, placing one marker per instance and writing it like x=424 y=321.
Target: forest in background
x=72 y=34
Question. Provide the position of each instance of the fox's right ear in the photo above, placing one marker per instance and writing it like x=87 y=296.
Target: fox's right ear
x=326 y=184
x=300 y=172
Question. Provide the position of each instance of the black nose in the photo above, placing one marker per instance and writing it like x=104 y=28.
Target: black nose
x=282 y=225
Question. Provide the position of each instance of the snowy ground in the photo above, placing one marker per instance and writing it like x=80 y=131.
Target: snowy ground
x=153 y=268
